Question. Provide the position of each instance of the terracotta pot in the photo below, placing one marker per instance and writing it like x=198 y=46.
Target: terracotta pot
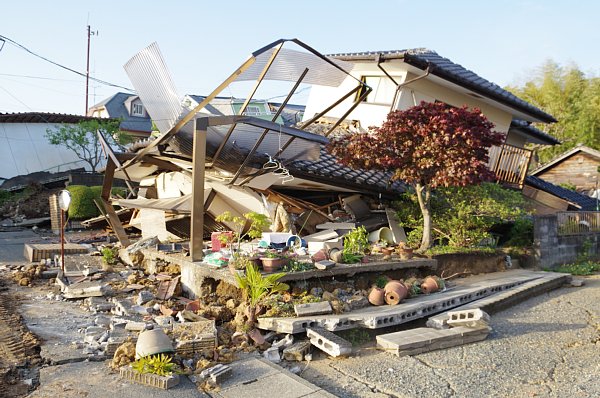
x=273 y=264
x=377 y=296
x=152 y=342
x=395 y=292
x=429 y=285
x=387 y=251
x=406 y=254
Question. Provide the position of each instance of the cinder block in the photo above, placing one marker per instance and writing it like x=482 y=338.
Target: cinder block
x=469 y=318
x=322 y=307
x=420 y=340
x=217 y=373
x=329 y=342
x=296 y=351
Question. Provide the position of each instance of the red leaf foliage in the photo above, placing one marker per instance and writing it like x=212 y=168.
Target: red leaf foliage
x=429 y=144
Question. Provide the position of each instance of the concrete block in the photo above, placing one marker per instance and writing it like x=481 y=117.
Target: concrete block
x=324 y=265
x=322 y=307
x=123 y=308
x=421 y=340
x=272 y=354
x=217 y=374
x=329 y=342
x=296 y=351
x=470 y=318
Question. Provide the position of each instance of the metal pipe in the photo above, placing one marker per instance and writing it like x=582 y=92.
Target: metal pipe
x=345 y=115
x=62 y=240
x=379 y=60
x=401 y=85
x=246 y=102
x=260 y=140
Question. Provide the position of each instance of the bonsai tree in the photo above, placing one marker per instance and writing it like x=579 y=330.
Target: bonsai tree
x=427 y=146
x=257 y=287
x=257 y=221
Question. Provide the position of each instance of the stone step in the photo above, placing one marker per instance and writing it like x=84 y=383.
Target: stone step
x=548 y=281
x=408 y=310
x=420 y=340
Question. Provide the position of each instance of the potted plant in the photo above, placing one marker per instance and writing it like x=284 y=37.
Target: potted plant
x=432 y=284
x=273 y=261
x=377 y=293
x=257 y=221
x=356 y=242
x=405 y=251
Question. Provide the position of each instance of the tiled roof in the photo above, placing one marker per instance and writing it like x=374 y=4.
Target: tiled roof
x=41 y=117
x=115 y=107
x=328 y=170
x=579 y=148
x=587 y=203
x=532 y=131
x=455 y=73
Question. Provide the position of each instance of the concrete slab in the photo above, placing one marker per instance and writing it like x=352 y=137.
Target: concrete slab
x=466 y=291
x=258 y=378
x=94 y=380
x=546 y=282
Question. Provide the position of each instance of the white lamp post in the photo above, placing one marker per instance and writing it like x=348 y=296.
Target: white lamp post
x=64 y=200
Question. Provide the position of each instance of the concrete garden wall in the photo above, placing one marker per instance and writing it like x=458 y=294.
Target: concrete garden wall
x=552 y=250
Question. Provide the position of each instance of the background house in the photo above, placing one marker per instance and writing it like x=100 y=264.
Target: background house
x=129 y=109
x=24 y=148
x=231 y=106
x=578 y=167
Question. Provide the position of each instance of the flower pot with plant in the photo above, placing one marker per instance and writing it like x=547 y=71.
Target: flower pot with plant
x=273 y=261
x=255 y=223
x=432 y=284
x=356 y=243
x=257 y=288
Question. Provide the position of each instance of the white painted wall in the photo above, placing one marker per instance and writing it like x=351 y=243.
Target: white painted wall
x=24 y=150
x=421 y=90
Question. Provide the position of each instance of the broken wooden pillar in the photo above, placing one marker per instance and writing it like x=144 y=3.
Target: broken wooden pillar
x=198 y=162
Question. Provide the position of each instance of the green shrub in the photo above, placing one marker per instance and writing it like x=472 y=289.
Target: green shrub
x=82 y=200
x=82 y=203
x=521 y=233
x=585 y=268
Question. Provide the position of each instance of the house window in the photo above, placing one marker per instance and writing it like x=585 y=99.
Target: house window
x=137 y=110
x=252 y=110
x=383 y=89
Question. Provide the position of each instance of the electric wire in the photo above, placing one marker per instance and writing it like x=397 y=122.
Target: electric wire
x=22 y=47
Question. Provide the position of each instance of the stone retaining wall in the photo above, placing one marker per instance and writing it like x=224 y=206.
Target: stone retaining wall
x=552 y=250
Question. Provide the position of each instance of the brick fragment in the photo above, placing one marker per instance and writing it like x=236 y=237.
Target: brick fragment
x=322 y=307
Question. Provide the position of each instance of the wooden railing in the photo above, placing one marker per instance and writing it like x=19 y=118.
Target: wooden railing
x=578 y=222
x=510 y=163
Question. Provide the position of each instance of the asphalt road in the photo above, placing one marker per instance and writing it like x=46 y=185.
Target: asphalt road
x=547 y=346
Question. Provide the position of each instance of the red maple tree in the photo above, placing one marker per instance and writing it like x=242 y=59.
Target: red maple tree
x=426 y=146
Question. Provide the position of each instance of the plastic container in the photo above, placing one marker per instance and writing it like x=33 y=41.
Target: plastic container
x=383 y=233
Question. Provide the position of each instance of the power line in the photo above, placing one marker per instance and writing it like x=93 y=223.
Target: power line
x=60 y=65
x=38 y=77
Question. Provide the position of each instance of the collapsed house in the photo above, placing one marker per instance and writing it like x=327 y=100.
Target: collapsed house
x=206 y=161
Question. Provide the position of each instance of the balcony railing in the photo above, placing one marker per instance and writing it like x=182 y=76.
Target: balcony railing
x=510 y=164
x=578 y=222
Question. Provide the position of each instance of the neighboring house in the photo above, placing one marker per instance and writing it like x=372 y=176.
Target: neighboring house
x=232 y=106
x=578 y=167
x=401 y=79
x=24 y=148
x=547 y=198
x=129 y=109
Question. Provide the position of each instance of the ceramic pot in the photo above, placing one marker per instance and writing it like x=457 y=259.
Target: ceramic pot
x=429 y=285
x=395 y=292
x=273 y=264
x=152 y=342
x=377 y=296
x=387 y=251
x=406 y=254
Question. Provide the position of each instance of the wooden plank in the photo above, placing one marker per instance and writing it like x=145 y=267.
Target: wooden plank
x=115 y=223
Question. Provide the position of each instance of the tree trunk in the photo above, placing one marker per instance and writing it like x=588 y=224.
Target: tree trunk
x=423 y=195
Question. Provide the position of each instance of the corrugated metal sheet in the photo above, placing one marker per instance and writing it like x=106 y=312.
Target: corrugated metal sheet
x=151 y=79
x=289 y=65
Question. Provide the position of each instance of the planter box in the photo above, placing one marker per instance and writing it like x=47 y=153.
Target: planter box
x=148 y=379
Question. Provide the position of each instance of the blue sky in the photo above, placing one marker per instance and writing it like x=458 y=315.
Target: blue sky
x=203 y=42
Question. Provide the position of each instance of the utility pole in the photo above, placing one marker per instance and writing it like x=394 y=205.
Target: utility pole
x=87 y=69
